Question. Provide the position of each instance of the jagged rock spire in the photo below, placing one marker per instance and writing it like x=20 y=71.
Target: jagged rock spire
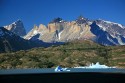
x=81 y=19
x=17 y=27
x=57 y=20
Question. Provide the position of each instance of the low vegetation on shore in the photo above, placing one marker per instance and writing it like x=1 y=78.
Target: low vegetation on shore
x=76 y=53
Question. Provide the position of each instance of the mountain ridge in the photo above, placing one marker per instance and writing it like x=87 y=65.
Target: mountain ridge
x=10 y=42
x=16 y=27
x=59 y=30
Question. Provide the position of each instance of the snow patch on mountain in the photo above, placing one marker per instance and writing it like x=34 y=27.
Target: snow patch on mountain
x=120 y=26
x=111 y=40
x=17 y=27
x=35 y=32
x=109 y=22
x=60 y=35
x=103 y=28
x=113 y=36
x=120 y=41
x=81 y=32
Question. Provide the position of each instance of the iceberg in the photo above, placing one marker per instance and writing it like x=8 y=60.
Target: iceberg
x=91 y=66
x=95 y=66
x=59 y=68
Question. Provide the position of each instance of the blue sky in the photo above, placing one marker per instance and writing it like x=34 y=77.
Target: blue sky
x=43 y=11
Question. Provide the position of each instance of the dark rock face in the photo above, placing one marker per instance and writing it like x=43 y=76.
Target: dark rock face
x=111 y=27
x=12 y=42
x=81 y=20
x=102 y=37
x=17 y=28
x=57 y=20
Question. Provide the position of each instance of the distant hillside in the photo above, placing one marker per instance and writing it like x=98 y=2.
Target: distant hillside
x=72 y=54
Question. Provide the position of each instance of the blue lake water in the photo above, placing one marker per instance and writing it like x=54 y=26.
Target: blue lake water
x=52 y=70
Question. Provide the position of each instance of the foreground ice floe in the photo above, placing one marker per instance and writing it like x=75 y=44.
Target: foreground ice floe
x=58 y=68
x=94 y=66
x=91 y=66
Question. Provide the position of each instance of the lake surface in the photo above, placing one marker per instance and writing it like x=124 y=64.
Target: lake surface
x=52 y=70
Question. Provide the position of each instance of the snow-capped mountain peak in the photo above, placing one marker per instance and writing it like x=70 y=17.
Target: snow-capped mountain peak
x=112 y=23
x=57 y=20
x=100 y=31
x=17 y=27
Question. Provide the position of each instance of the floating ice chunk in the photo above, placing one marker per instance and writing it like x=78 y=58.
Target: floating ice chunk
x=95 y=66
x=58 y=68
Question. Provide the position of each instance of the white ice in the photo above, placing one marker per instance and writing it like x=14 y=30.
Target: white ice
x=95 y=66
x=35 y=32
x=58 y=69
x=60 y=35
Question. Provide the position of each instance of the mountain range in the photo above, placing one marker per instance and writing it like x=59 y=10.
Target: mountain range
x=58 y=31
